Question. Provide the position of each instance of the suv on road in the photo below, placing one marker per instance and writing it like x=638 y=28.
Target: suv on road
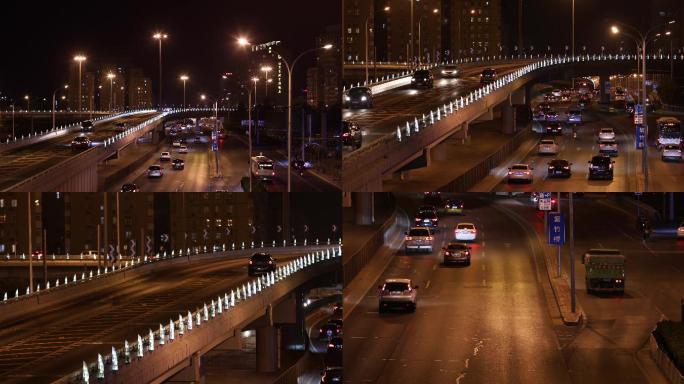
x=418 y=239
x=601 y=167
x=358 y=97
x=397 y=293
x=455 y=252
x=351 y=134
x=422 y=78
x=261 y=262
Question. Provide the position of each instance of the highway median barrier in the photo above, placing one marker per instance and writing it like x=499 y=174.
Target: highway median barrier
x=667 y=348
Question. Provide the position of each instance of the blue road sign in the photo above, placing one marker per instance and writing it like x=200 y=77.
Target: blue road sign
x=556 y=229
x=545 y=195
x=639 y=109
x=639 y=136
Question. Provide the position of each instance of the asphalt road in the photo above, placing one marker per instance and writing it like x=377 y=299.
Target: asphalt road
x=616 y=329
x=398 y=105
x=20 y=163
x=486 y=323
x=50 y=345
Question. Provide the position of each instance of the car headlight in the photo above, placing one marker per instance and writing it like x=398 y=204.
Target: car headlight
x=443 y=72
x=364 y=98
x=347 y=98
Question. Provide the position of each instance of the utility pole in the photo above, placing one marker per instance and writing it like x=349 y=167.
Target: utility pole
x=30 y=241
x=45 y=279
x=559 y=247
x=99 y=247
x=572 y=254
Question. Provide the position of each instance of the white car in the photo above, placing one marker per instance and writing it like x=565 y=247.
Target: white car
x=672 y=152
x=176 y=143
x=165 y=156
x=183 y=149
x=155 y=171
x=450 y=71
x=557 y=93
x=520 y=172
x=397 y=293
x=608 y=147
x=465 y=232
x=606 y=134
x=547 y=147
x=418 y=239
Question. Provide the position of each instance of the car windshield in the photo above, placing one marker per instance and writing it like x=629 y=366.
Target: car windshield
x=671 y=147
x=358 y=92
x=520 y=167
x=261 y=258
x=456 y=247
x=422 y=74
x=419 y=232
x=547 y=142
x=155 y=168
x=396 y=286
x=450 y=67
x=574 y=112
x=488 y=72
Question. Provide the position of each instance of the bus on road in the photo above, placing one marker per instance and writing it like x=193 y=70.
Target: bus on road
x=262 y=167
x=604 y=271
x=669 y=131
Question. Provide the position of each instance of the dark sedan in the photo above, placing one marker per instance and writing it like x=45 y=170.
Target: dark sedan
x=560 y=168
x=422 y=78
x=261 y=262
x=361 y=97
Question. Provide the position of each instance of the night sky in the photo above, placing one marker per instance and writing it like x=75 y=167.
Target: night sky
x=39 y=40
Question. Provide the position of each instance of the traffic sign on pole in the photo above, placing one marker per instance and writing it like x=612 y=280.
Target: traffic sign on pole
x=545 y=201
x=556 y=228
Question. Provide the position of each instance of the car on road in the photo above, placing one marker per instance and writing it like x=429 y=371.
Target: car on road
x=37 y=254
x=544 y=107
x=418 y=239
x=335 y=345
x=553 y=128
x=397 y=293
x=465 y=232
x=551 y=115
x=426 y=219
x=560 y=168
x=120 y=127
x=557 y=93
x=488 y=75
x=453 y=207
x=155 y=171
x=672 y=152
x=450 y=71
x=183 y=149
x=176 y=143
x=584 y=102
x=358 y=97
x=330 y=329
x=601 y=167
x=261 y=262
x=165 y=156
x=198 y=140
x=608 y=147
x=80 y=142
x=680 y=231
x=351 y=134
x=606 y=134
x=574 y=116
x=422 y=78
x=331 y=375
x=520 y=173
x=178 y=164
x=427 y=208
x=130 y=187
x=456 y=253
x=539 y=116
x=87 y=126
x=549 y=97
x=547 y=147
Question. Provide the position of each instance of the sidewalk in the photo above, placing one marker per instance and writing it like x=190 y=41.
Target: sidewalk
x=454 y=157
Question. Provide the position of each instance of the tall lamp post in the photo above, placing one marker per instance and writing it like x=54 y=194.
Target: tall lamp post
x=420 y=21
x=80 y=59
x=641 y=40
x=54 y=105
x=160 y=36
x=249 y=132
x=266 y=69
x=184 y=79
x=111 y=77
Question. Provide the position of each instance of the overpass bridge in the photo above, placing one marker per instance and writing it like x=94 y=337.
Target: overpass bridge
x=77 y=172
x=156 y=296
x=404 y=137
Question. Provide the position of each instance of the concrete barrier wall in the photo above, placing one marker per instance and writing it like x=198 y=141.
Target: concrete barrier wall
x=353 y=263
x=12 y=310
x=664 y=363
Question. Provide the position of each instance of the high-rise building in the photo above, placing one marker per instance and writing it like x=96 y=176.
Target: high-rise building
x=87 y=87
x=112 y=92
x=323 y=81
x=477 y=28
x=139 y=89
x=358 y=15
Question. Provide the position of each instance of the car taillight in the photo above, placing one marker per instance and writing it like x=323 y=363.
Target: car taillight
x=566 y=167
x=467 y=253
x=447 y=253
x=409 y=238
x=346 y=134
x=510 y=172
x=270 y=261
x=251 y=262
x=429 y=238
x=434 y=219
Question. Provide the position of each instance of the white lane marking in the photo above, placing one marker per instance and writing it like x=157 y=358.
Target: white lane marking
x=428 y=284
x=483 y=253
x=484 y=267
x=467 y=362
x=458 y=379
x=484 y=282
x=483 y=243
x=434 y=267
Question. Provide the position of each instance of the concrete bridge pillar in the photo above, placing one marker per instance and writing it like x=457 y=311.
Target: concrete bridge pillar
x=191 y=374
x=519 y=96
x=364 y=212
x=508 y=118
x=267 y=348
x=605 y=95
x=464 y=133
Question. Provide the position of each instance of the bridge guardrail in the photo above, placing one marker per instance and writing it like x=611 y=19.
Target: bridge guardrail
x=106 y=368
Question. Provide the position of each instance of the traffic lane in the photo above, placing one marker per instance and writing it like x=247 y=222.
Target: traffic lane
x=304 y=182
x=579 y=152
x=615 y=326
x=79 y=337
x=485 y=323
x=199 y=174
x=664 y=176
x=23 y=162
x=407 y=103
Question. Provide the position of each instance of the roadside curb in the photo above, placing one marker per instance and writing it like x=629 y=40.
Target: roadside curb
x=559 y=285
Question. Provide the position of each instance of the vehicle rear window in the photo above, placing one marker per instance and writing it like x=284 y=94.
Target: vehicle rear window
x=358 y=91
x=607 y=130
x=419 y=232
x=601 y=160
x=547 y=142
x=457 y=247
x=519 y=167
x=155 y=168
x=396 y=287
x=260 y=257
x=465 y=226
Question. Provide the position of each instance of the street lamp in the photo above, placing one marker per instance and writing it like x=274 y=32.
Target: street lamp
x=28 y=103
x=111 y=77
x=184 y=79
x=80 y=59
x=420 y=20
x=266 y=69
x=641 y=40
x=54 y=105
x=160 y=36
